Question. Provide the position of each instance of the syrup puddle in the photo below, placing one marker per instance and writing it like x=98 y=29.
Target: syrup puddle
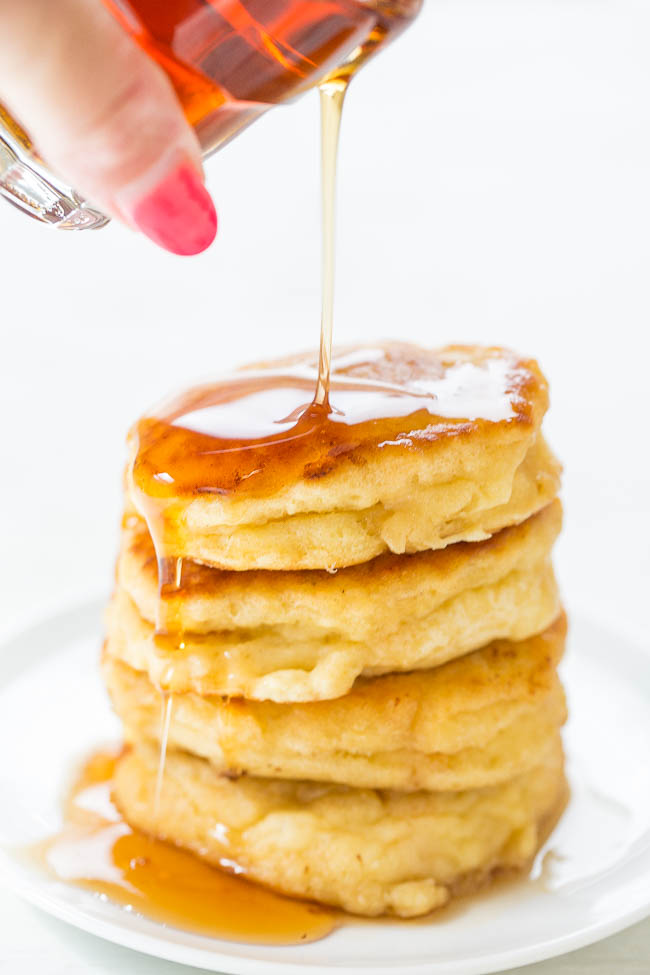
x=98 y=851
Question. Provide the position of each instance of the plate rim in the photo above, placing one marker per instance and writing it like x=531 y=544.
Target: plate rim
x=14 y=878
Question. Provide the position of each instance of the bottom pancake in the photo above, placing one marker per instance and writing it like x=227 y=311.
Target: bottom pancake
x=369 y=852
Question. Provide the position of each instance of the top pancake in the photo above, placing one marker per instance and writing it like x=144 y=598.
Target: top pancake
x=421 y=448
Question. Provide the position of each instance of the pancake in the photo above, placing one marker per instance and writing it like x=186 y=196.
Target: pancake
x=267 y=665
x=304 y=636
x=369 y=852
x=474 y=722
x=459 y=458
x=359 y=603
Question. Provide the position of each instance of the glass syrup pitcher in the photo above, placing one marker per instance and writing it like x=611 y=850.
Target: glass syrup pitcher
x=229 y=62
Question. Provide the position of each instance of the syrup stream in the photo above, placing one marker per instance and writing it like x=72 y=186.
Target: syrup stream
x=167 y=704
x=332 y=96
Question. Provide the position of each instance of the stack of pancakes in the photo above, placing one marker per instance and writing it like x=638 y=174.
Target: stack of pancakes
x=365 y=708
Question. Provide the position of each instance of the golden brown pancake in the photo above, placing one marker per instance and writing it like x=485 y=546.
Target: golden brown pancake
x=474 y=722
x=360 y=602
x=369 y=852
x=308 y=635
x=466 y=461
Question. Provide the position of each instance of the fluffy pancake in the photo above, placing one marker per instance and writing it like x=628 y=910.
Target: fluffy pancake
x=370 y=852
x=465 y=462
x=356 y=603
x=473 y=722
x=302 y=636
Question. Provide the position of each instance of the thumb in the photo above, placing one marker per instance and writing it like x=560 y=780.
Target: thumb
x=106 y=117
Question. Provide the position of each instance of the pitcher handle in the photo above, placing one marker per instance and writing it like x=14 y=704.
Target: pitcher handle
x=26 y=182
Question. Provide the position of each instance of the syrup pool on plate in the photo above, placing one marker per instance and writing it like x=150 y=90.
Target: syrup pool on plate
x=99 y=851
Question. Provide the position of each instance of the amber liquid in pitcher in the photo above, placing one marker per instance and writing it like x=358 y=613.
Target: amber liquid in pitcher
x=231 y=60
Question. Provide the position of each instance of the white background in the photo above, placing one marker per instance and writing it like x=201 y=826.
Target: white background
x=494 y=187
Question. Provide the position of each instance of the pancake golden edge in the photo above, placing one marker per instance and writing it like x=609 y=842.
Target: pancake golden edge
x=474 y=722
x=370 y=852
x=450 y=481
x=307 y=636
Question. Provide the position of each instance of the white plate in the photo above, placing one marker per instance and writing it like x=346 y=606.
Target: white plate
x=592 y=879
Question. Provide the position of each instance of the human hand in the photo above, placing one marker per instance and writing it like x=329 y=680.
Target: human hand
x=106 y=117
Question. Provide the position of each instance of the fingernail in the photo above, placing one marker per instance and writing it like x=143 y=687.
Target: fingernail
x=178 y=214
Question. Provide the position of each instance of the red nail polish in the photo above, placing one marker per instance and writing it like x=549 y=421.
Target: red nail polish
x=178 y=214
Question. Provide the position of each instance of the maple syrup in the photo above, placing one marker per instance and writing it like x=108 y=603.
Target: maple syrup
x=332 y=96
x=255 y=431
x=99 y=851
x=166 y=709
x=231 y=60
